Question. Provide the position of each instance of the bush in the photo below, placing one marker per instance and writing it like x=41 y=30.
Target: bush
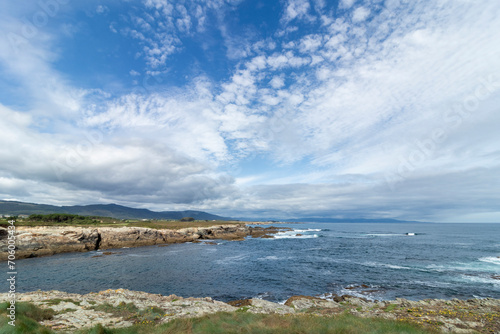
x=187 y=219
x=64 y=218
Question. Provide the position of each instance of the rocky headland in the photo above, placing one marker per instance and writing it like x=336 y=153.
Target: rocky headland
x=123 y=308
x=34 y=241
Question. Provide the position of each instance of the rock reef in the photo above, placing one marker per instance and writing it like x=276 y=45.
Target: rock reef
x=49 y=240
x=119 y=308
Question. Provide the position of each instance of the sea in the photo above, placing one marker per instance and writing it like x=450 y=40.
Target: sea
x=370 y=260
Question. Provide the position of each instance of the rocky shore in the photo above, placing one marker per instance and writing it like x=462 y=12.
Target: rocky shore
x=48 y=240
x=123 y=308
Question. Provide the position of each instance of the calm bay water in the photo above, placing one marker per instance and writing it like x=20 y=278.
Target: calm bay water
x=378 y=261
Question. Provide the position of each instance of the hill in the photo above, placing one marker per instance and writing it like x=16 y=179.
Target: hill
x=103 y=210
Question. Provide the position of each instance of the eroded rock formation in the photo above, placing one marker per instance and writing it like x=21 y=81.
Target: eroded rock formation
x=49 y=240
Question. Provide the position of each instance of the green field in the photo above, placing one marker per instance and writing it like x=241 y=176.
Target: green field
x=64 y=219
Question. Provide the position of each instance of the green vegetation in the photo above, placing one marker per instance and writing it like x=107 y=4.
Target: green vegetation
x=65 y=219
x=57 y=301
x=241 y=322
x=390 y=307
x=146 y=321
x=27 y=318
x=130 y=312
x=176 y=224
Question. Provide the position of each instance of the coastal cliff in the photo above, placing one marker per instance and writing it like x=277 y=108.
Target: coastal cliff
x=49 y=240
x=124 y=308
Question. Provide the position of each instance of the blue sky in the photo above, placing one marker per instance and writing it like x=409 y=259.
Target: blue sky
x=350 y=108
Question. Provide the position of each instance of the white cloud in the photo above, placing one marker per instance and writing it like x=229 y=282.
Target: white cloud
x=277 y=82
x=101 y=9
x=346 y=3
x=360 y=14
x=296 y=9
x=352 y=130
x=310 y=43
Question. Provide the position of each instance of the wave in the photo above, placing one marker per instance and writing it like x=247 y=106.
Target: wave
x=264 y=296
x=370 y=292
x=269 y=258
x=294 y=236
x=385 y=265
x=308 y=230
x=490 y=259
x=481 y=279
x=297 y=234
x=433 y=284
x=484 y=264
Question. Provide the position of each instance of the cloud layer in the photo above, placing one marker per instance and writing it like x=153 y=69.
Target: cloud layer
x=365 y=109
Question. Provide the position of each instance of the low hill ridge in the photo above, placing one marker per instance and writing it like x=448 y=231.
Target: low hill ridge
x=104 y=210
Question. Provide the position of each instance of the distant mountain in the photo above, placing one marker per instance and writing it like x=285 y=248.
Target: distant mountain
x=103 y=210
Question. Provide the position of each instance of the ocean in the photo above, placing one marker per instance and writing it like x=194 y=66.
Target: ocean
x=374 y=261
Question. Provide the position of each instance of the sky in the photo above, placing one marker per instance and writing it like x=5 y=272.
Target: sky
x=253 y=108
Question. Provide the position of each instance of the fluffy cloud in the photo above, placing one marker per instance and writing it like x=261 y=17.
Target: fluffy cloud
x=386 y=109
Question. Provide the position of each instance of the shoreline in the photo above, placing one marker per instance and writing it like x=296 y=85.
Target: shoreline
x=76 y=311
x=37 y=241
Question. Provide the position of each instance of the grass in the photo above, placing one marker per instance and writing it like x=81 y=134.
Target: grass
x=112 y=222
x=390 y=308
x=28 y=316
x=57 y=301
x=268 y=324
x=130 y=312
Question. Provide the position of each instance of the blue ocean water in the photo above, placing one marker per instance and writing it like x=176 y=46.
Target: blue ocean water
x=376 y=261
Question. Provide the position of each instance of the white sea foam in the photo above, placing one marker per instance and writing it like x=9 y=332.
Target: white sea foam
x=294 y=236
x=297 y=234
x=480 y=279
x=485 y=264
x=269 y=258
x=138 y=255
x=262 y=295
x=385 y=265
x=371 y=292
x=490 y=259
x=308 y=230
x=433 y=284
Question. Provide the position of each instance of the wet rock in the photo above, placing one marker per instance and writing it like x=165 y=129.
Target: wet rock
x=267 y=232
x=240 y=303
x=353 y=287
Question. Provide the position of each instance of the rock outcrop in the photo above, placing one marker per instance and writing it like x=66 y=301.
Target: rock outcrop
x=119 y=308
x=49 y=240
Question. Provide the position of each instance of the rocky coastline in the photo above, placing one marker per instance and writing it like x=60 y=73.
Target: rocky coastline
x=119 y=308
x=49 y=240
